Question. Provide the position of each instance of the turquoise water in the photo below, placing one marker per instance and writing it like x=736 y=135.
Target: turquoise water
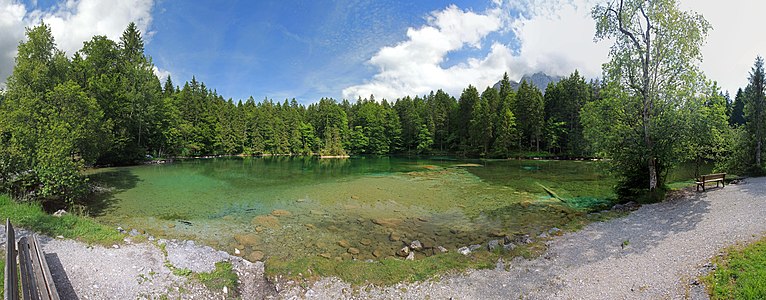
x=286 y=208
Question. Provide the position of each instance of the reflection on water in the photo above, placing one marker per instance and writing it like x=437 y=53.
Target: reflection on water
x=362 y=208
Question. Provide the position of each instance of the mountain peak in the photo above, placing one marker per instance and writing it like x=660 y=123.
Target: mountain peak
x=539 y=80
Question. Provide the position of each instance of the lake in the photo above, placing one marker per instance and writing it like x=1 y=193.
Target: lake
x=287 y=208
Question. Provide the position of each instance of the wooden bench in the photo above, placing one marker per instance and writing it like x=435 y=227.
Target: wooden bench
x=36 y=279
x=710 y=178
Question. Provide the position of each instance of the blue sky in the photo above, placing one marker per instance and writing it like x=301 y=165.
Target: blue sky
x=350 y=48
x=280 y=49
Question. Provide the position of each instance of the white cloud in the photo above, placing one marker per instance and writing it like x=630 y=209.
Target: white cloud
x=555 y=36
x=11 y=32
x=162 y=74
x=734 y=42
x=72 y=22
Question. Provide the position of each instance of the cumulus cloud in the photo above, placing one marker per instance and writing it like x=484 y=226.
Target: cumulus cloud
x=162 y=74
x=11 y=32
x=554 y=36
x=72 y=22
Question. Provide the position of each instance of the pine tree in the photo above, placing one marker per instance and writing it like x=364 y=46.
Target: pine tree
x=755 y=110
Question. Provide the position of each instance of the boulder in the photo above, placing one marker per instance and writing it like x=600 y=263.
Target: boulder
x=60 y=213
x=441 y=249
x=493 y=244
x=474 y=247
x=416 y=245
x=411 y=256
x=464 y=250
x=509 y=246
x=404 y=252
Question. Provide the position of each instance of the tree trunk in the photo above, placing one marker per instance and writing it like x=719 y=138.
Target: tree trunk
x=758 y=148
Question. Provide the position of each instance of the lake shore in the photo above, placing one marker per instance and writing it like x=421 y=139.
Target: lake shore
x=657 y=251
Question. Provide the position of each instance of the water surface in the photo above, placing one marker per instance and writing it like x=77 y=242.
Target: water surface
x=286 y=208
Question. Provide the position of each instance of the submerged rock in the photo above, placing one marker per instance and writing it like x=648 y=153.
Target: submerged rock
x=353 y=251
x=377 y=253
x=365 y=242
x=387 y=222
x=394 y=236
x=344 y=243
x=267 y=221
x=280 y=213
x=247 y=239
x=255 y=256
x=325 y=255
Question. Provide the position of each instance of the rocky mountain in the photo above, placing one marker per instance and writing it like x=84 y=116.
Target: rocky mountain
x=539 y=79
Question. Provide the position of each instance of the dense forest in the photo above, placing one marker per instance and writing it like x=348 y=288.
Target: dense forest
x=104 y=106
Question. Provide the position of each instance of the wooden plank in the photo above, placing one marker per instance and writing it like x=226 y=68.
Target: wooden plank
x=48 y=285
x=28 y=286
x=11 y=288
x=37 y=271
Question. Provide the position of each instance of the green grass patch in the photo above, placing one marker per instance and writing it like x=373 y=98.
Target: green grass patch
x=222 y=276
x=389 y=271
x=31 y=216
x=741 y=273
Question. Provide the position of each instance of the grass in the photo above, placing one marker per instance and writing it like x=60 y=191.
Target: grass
x=31 y=216
x=741 y=273
x=389 y=271
x=222 y=276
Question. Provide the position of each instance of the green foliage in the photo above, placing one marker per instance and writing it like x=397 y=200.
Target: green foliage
x=529 y=112
x=741 y=273
x=755 y=114
x=638 y=120
x=31 y=216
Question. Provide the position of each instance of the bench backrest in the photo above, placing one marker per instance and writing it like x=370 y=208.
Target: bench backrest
x=11 y=288
x=714 y=176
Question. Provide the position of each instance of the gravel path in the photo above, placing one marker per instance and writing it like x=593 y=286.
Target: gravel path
x=668 y=246
x=656 y=252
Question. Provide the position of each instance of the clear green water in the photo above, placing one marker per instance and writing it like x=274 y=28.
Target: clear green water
x=370 y=204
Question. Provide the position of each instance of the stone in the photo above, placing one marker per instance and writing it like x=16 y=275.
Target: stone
x=347 y=256
x=493 y=244
x=474 y=247
x=422 y=219
x=394 y=236
x=519 y=239
x=115 y=246
x=310 y=226
x=120 y=230
x=280 y=213
x=259 y=229
x=404 y=252
x=171 y=225
x=247 y=239
x=411 y=256
x=387 y=222
x=60 y=213
x=509 y=247
x=441 y=249
x=266 y=221
x=325 y=255
x=365 y=242
x=237 y=252
x=355 y=197
x=353 y=251
x=377 y=253
x=464 y=250
x=555 y=231
x=416 y=245
x=344 y=243
x=255 y=256
x=133 y=232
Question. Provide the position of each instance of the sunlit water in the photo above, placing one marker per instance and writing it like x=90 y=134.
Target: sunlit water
x=288 y=208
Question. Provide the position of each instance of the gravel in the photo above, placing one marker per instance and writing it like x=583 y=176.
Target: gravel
x=142 y=270
x=656 y=252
